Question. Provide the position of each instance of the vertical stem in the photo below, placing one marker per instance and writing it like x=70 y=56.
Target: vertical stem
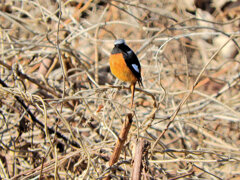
x=133 y=91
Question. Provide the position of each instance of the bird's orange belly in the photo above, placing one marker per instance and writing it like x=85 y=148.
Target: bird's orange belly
x=120 y=69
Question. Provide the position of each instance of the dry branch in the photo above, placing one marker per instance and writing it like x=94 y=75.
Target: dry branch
x=120 y=141
x=138 y=158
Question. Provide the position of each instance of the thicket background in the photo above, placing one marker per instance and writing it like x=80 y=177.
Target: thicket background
x=60 y=117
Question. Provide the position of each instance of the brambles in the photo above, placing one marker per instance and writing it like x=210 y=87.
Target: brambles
x=57 y=65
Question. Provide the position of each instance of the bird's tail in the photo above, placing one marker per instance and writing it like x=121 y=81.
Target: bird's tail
x=140 y=82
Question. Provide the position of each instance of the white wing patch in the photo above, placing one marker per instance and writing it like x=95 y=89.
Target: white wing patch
x=135 y=67
x=129 y=53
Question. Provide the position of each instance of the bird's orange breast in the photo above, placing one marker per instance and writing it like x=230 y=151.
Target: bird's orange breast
x=120 y=69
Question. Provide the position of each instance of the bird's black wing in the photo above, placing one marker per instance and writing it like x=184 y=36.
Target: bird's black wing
x=132 y=62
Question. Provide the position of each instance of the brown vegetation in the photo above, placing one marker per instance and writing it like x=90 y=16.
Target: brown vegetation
x=64 y=116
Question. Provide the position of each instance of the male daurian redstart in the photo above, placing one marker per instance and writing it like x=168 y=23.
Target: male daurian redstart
x=125 y=65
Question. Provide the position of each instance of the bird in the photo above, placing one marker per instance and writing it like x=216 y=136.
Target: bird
x=125 y=65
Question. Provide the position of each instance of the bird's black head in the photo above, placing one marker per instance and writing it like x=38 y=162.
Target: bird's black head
x=119 y=42
x=121 y=45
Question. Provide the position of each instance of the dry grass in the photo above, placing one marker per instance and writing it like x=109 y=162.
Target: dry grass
x=62 y=110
